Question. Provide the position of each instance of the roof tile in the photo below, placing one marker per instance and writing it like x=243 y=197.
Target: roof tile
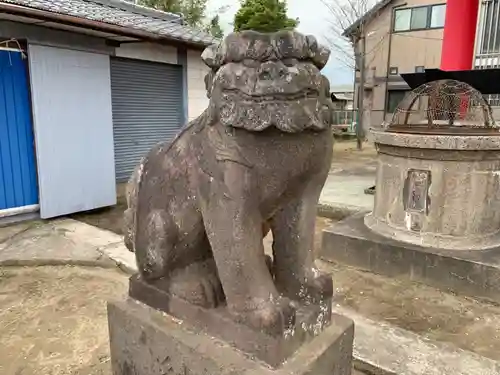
x=123 y=14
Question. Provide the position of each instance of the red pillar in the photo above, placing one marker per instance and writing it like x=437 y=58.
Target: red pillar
x=459 y=34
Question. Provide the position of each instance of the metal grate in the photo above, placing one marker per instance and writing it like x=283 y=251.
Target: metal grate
x=446 y=107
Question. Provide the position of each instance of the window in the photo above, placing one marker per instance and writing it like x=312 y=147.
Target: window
x=420 y=69
x=437 y=16
x=394 y=98
x=419 y=18
x=393 y=70
x=488 y=28
x=402 y=19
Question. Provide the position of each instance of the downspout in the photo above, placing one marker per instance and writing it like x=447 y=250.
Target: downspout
x=391 y=28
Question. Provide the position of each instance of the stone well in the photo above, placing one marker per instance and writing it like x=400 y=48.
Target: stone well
x=438 y=176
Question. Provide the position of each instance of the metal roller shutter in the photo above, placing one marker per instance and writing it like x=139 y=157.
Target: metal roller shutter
x=147 y=109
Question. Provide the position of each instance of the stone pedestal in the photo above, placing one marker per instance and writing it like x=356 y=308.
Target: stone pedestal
x=475 y=273
x=145 y=341
x=438 y=191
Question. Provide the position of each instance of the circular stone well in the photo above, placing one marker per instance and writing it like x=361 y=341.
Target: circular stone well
x=438 y=175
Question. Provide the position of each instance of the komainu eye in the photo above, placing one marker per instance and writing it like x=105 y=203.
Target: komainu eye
x=290 y=62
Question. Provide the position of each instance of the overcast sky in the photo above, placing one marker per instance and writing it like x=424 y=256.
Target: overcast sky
x=313 y=17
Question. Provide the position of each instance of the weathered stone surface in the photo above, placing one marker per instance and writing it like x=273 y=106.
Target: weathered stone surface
x=272 y=349
x=145 y=341
x=260 y=153
x=437 y=141
x=475 y=273
x=439 y=191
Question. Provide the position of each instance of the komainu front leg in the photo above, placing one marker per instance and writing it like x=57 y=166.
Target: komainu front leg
x=234 y=227
x=295 y=271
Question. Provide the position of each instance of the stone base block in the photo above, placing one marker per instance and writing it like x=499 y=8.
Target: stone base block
x=475 y=273
x=145 y=341
x=272 y=349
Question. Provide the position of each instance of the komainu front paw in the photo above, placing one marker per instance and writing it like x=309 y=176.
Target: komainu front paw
x=272 y=317
x=317 y=287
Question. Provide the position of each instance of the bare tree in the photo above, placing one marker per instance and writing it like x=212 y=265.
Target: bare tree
x=346 y=28
x=347 y=39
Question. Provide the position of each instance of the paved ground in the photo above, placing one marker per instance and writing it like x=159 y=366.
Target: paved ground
x=352 y=172
x=62 y=242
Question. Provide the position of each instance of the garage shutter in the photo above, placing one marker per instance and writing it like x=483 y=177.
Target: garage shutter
x=147 y=109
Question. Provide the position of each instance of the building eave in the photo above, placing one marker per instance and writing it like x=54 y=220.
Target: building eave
x=85 y=23
x=368 y=16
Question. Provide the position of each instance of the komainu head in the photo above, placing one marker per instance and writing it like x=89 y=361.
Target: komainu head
x=261 y=80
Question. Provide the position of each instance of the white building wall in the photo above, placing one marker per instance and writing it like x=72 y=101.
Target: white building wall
x=197 y=94
x=149 y=52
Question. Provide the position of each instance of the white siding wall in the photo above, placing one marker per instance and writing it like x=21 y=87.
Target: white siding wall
x=149 y=52
x=197 y=95
x=71 y=97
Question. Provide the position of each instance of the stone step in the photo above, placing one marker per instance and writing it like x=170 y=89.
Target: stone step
x=383 y=349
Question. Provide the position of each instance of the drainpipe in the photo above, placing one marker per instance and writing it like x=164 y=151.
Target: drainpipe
x=391 y=27
x=361 y=91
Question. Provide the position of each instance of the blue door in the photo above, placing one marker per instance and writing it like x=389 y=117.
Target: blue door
x=18 y=178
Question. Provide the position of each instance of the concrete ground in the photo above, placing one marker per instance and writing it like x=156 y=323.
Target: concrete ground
x=352 y=172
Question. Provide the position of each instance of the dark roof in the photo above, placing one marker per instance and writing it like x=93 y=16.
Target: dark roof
x=366 y=17
x=123 y=14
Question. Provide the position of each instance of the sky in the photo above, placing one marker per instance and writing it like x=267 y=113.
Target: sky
x=314 y=20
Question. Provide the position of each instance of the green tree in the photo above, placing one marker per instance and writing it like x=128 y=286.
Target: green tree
x=172 y=6
x=263 y=15
x=214 y=28
x=192 y=10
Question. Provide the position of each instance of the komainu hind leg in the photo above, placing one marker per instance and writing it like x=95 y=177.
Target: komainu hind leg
x=197 y=283
x=153 y=247
x=188 y=272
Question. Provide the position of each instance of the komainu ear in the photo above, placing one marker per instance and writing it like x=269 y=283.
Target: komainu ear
x=317 y=53
x=212 y=56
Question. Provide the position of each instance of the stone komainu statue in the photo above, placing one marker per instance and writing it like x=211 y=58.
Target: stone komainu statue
x=261 y=152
